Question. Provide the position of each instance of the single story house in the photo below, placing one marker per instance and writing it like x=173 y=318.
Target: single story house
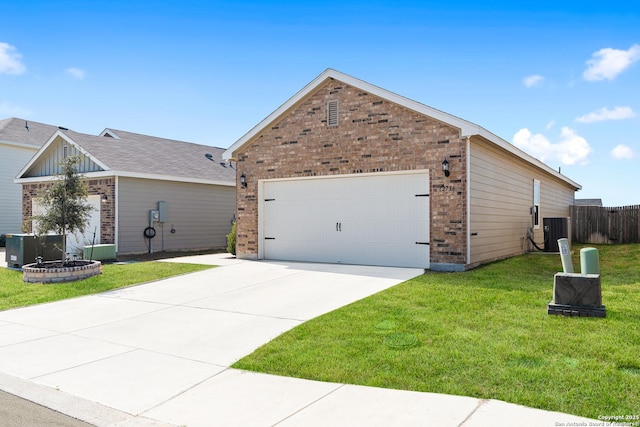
x=347 y=172
x=19 y=141
x=184 y=191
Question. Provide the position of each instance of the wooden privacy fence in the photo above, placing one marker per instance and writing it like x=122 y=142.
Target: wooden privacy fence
x=595 y=224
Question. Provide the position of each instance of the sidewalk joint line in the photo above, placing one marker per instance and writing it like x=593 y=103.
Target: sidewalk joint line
x=129 y=350
x=184 y=391
x=309 y=405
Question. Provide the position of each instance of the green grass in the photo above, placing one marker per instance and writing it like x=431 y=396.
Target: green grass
x=15 y=293
x=484 y=333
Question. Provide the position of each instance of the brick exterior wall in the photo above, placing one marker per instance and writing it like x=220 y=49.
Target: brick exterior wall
x=95 y=187
x=373 y=135
x=107 y=207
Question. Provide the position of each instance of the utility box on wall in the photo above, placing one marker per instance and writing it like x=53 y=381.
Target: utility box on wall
x=163 y=212
x=554 y=229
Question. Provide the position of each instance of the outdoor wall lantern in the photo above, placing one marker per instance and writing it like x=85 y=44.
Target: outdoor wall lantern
x=445 y=167
x=105 y=198
x=243 y=180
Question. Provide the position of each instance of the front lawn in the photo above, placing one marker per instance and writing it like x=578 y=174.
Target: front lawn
x=484 y=333
x=15 y=293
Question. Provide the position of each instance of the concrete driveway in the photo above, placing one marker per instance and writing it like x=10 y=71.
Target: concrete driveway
x=139 y=350
x=159 y=354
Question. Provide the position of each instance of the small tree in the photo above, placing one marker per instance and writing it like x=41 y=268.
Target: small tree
x=65 y=203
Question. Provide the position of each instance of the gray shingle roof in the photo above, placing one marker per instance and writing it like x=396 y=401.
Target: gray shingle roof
x=142 y=154
x=15 y=130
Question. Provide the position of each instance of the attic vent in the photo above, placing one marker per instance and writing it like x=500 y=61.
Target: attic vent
x=332 y=113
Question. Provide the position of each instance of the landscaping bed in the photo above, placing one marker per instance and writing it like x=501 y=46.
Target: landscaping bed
x=58 y=271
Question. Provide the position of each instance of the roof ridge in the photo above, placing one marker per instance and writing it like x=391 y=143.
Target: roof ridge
x=4 y=123
x=122 y=134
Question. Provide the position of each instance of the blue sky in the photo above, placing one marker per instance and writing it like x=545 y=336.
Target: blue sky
x=561 y=80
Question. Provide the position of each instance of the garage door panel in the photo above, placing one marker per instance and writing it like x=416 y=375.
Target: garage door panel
x=374 y=220
x=384 y=253
x=298 y=231
x=303 y=250
x=383 y=231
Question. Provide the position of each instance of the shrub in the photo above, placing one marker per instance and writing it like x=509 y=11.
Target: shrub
x=231 y=240
x=3 y=240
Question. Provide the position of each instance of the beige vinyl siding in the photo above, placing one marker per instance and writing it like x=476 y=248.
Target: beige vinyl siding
x=201 y=215
x=12 y=159
x=501 y=196
x=49 y=163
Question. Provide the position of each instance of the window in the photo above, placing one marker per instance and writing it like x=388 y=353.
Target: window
x=536 y=204
x=332 y=113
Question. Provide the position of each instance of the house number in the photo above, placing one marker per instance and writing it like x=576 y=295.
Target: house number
x=447 y=188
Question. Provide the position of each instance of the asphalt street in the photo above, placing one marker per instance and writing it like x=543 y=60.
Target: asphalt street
x=18 y=412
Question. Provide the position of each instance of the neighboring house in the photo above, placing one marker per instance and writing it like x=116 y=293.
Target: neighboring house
x=127 y=175
x=347 y=172
x=19 y=141
x=588 y=202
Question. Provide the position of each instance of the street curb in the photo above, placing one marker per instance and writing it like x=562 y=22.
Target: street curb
x=75 y=407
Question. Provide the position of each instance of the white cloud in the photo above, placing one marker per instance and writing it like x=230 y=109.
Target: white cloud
x=618 y=113
x=10 y=60
x=622 y=152
x=571 y=149
x=537 y=145
x=76 y=73
x=533 y=80
x=551 y=124
x=607 y=63
x=10 y=110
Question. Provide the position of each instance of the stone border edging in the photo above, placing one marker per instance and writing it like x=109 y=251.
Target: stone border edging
x=31 y=274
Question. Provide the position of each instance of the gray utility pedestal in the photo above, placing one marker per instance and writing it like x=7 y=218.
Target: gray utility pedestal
x=25 y=248
x=577 y=295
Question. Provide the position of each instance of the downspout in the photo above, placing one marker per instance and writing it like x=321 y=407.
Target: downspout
x=468 y=185
x=116 y=220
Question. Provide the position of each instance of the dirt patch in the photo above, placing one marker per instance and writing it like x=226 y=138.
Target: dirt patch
x=47 y=265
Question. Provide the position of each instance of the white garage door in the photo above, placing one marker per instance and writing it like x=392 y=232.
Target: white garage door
x=380 y=219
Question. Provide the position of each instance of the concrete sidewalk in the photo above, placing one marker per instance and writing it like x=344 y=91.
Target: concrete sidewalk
x=159 y=354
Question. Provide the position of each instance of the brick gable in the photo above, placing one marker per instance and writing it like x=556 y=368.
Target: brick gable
x=372 y=135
